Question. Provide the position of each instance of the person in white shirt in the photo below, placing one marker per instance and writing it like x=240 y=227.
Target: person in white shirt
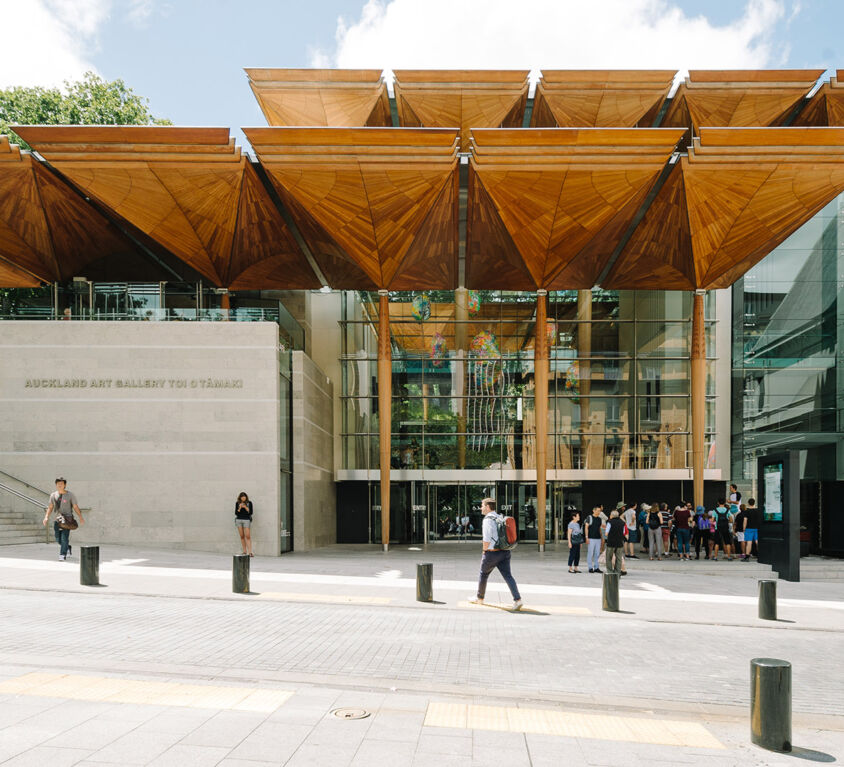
x=493 y=557
x=629 y=516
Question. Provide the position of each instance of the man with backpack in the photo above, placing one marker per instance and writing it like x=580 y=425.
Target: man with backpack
x=654 y=522
x=496 y=547
x=701 y=532
x=594 y=538
x=723 y=536
x=615 y=544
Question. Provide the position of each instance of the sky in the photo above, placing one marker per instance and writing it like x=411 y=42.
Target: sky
x=187 y=56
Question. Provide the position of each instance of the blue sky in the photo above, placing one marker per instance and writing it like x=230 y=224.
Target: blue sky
x=187 y=56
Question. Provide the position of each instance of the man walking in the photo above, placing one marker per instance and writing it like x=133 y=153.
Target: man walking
x=493 y=557
x=63 y=504
x=632 y=530
x=594 y=538
x=752 y=523
x=615 y=544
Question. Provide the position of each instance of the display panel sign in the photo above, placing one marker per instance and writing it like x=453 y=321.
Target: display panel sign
x=773 y=479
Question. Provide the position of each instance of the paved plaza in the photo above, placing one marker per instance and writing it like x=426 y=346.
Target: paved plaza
x=162 y=664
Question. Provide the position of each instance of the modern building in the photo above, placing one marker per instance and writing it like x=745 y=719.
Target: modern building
x=413 y=297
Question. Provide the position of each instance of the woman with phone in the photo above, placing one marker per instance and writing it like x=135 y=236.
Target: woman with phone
x=243 y=522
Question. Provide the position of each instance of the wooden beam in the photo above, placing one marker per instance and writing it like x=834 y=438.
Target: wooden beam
x=698 y=389
x=540 y=372
x=385 y=396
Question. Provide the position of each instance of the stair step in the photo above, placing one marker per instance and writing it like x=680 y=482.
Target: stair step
x=15 y=534
x=21 y=541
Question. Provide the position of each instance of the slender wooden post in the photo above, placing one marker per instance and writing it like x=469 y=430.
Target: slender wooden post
x=385 y=397
x=584 y=362
x=225 y=305
x=461 y=314
x=540 y=372
x=698 y=392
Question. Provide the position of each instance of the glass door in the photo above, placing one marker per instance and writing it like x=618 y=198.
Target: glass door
x=454 y=511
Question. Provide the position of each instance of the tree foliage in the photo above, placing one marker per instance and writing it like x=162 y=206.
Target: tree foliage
x=89 y=101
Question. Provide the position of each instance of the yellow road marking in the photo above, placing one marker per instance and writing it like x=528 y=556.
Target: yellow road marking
x=117 y=690
x=550 y=609
x=295 y=596
x=667 y=732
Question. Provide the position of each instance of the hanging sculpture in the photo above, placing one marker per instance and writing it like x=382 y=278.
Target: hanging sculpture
x=438 y=350
x=473 y=302
x=572 y=385
x=551 y=333
x=420 y=307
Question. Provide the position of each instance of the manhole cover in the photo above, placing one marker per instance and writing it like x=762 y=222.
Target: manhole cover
x=350 y=713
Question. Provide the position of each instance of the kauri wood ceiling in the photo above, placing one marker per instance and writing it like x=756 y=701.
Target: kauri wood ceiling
x=191 y=190
x=596 y=98
x=377 y=206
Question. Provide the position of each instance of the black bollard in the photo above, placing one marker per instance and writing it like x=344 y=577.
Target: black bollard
x=89 y=566
x=768 y=600
x=425 y=582
x=240 y=573
x=610 y=595
x=770 y=703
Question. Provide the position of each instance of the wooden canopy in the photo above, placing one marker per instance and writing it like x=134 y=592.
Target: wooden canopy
x=739 y=98
x=826 y=107
x=189 y=189
x=465 y=99
x=600 y=98
x=738 y=194
x=547 y=206
x=377 y=206
x=349 y=98
x=47 y=231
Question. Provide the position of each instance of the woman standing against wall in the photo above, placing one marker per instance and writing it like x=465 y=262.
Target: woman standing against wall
x=243 y=522
x=575 y=536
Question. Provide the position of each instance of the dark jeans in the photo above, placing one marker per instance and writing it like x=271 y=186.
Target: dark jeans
x=683 y=540
x=62 y=538
x=701 y=537
x=574 y=555
x=501 y=560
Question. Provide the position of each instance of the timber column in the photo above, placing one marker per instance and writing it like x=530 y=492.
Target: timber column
x=385 y=397
x=540 y=374
x=461 y=374
x=698 y=391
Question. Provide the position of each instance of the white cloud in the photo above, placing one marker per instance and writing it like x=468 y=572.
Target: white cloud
x=44 y=42
x=555 y=34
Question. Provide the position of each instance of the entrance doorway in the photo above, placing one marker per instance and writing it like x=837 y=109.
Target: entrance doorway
x=454 y=510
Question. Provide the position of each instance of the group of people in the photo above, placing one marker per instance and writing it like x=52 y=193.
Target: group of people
x=732 y=527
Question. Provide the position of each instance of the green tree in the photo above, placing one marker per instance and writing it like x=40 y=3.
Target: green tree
x=89 y=101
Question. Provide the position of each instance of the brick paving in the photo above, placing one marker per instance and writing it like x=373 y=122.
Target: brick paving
x=394 y=658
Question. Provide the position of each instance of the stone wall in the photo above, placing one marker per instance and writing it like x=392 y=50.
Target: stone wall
x=314 y=499
x=157 y=426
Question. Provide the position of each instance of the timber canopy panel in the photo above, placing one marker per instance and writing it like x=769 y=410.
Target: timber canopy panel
x=826 y=107
x=189 y=189
x=739 y=98
x=600 y=98
x=547 y=206
x=739 y=194
x=346 y=98
x=377 y=206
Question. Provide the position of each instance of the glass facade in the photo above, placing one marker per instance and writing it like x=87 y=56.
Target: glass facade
x=463 y=380
x=788 y=355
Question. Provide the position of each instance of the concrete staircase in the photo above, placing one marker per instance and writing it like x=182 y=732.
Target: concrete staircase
x=825 y=569
x=21 y=527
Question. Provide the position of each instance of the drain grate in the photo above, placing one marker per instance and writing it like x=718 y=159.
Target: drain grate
x=350 y=713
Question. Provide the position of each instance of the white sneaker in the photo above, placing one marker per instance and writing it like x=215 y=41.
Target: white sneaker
x=62 y=557
x=517 y=605
x=476 y=601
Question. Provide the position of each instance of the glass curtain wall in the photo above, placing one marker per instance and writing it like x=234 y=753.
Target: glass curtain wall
x=788 y=353
x=463 y=380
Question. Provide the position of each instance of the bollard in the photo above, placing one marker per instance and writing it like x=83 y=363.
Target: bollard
x=425 y=582
x=770 y=703
x=610 y=595
x=768 y=600
x=240 y=573
x=89 y=566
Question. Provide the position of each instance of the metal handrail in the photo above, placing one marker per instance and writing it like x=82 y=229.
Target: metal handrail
x=23 y=497
x=31 y=487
